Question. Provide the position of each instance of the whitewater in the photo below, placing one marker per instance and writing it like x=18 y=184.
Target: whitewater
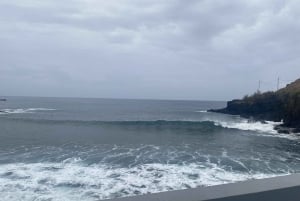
x=94 y=149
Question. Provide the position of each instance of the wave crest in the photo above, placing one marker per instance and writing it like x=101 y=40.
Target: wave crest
x=261 y=128
x=23 y=110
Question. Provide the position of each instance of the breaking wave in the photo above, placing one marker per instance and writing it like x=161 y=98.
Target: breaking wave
x=260 y=128
x=202 y=111
x=74 y=180
x=21 y=111
x=266 y=128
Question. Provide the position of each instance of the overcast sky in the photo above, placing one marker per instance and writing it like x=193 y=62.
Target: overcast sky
x=164 y=49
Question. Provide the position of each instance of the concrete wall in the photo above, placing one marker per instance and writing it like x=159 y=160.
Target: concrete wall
x=283 y=188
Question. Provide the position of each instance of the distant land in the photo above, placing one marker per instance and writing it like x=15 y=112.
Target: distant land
x=282 y=105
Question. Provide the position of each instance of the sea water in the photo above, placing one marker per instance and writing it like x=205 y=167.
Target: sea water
x=93 y=149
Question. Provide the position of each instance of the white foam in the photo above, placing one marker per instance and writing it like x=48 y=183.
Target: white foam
x=23 y=110
x=202 y=111
x=266 y=128
x=40 y=109
x=73 y=180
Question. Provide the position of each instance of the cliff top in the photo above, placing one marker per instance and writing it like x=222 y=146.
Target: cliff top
x=293 y=87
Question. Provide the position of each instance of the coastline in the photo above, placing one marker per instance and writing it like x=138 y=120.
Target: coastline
x=282 y=105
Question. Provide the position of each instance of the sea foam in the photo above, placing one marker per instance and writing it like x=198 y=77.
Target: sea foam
x=23 y=110
x=266 y=128
x=73 y=180
x=257 y=126
x=202 y=111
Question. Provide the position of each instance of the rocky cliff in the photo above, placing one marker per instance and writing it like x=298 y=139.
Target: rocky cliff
x=283 y=104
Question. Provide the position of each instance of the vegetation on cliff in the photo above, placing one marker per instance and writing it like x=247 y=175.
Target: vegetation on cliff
x=283 y=104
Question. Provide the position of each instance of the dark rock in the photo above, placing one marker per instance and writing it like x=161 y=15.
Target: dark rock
x=283 y=130
x=297 y=130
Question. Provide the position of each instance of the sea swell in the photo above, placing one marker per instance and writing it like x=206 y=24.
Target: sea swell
x=238 y=123
x=156 y=123
x=210 y=125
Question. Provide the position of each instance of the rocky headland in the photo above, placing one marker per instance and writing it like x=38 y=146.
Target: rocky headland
x=282 y=105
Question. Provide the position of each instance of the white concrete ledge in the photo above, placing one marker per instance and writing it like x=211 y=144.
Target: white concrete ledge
x=283 y=188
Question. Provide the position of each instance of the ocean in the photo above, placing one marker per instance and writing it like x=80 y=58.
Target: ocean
x=92 y=149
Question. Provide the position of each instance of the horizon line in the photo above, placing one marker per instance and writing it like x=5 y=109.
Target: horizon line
x=153 y=99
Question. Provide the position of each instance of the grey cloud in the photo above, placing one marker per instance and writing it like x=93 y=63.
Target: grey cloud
x=196 y=49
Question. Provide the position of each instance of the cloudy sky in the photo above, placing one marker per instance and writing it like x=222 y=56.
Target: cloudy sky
x=165 y=49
